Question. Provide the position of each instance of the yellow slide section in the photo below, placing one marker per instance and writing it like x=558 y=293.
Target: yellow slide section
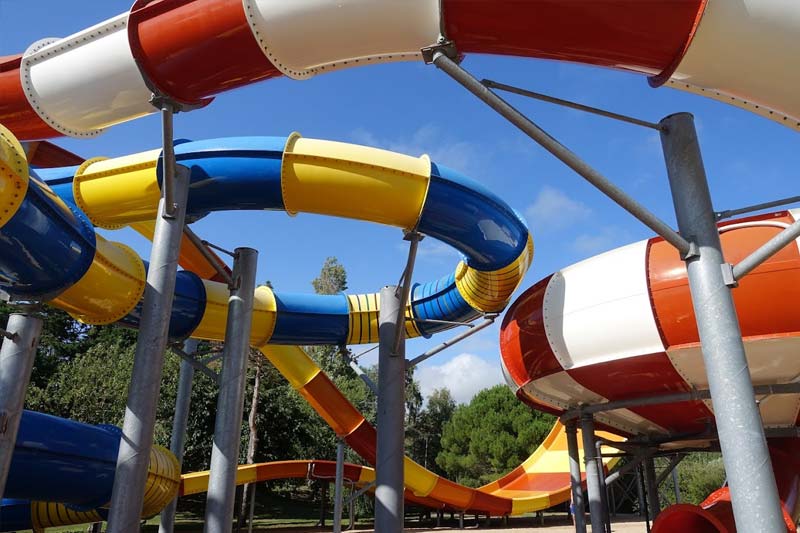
x=334 y=178
x=538 y=483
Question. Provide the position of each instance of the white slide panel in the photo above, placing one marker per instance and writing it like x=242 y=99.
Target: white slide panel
x=599 y=310
x=305 y=37
x=745 y=53
x=86 y=82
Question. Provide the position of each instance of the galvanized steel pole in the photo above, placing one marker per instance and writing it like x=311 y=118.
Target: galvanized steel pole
x=338 y=488
x=653 y=500
x=16 y=363
x=230 y=402
x=179 y=423
x=575 y=476
x=754 y=495
x=391 y=416
x=140 y=413
x=593 y=487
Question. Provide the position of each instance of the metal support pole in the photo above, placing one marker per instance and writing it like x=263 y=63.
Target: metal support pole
x=614 y=476
x=252 y=507
x=675 y=483
x=391 y=415
x=179 y=423
x=473 y=329
x=578 y=505
x=133 y=458
x=405 y=289
x=754 y=494
x=603 y=487
x=338 y=488
x=767 y=250
x=564 y=154
x=16 y=363
x=643 y=497
x=654 y=502
x=230 y=402
x=593 y=487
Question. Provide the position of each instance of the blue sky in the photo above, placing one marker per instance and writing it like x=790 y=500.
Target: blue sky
x=414 y=109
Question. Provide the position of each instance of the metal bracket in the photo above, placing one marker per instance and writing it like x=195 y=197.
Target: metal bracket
x=692 y=252
x=727 y=275
x=447 y=48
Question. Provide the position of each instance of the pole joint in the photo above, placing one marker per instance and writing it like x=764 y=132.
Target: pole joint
x=445 y=47
x=728 y=277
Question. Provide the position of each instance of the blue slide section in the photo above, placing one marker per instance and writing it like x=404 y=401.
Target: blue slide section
x=46 y=247
x=245 y=173
x=63 y=461
x=473 y=220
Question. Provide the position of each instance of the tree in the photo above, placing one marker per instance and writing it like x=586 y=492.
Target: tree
x=426 y=434
x=490 y=436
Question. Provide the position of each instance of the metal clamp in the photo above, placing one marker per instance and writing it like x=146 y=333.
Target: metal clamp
x=728 y=276
x=446 y=47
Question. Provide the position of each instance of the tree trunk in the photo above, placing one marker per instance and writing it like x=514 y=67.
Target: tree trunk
x=253 y=440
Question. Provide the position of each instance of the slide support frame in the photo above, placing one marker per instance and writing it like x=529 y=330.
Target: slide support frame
x=389 y=503
x=578 y=505
x=221 y=495
x=17 y=355
x=754 y=494
x=140 y=413
x=180 y=421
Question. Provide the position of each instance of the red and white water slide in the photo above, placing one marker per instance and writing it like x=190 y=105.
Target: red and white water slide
x=743 y=52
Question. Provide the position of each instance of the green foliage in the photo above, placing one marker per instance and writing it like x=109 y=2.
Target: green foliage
x=699 y=474
x=424 y=436
x=332 y=278
x=490 y=436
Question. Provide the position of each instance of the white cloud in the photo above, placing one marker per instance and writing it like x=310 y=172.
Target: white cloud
x=464 y=375
x=555 y=210
x=601 y=240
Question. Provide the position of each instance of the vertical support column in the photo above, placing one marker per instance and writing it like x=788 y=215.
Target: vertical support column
x=230 y=402
x=575 y=476
x=676 y=484
x=654 y=502
x=391 y=415
x=338 y=488
x=16 y=364
x=754 y=494
x=140 y=411
x=603 y=487
x=179 y=423
x=592 y=474
x=640 y=493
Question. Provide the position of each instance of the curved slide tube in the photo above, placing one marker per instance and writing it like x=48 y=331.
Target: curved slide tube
x=732 y=51
x=58 y=460
x=292 y=174
x=538 y=483
x=557 y=352
x=496 y=245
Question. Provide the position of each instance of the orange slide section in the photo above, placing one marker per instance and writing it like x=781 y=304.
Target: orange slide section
x=540 y=482
x=715 y=514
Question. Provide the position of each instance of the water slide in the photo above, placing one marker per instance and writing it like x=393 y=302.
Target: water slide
x=51 y=252
x=557 y=352
x=733 y=51
x=191 y=50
